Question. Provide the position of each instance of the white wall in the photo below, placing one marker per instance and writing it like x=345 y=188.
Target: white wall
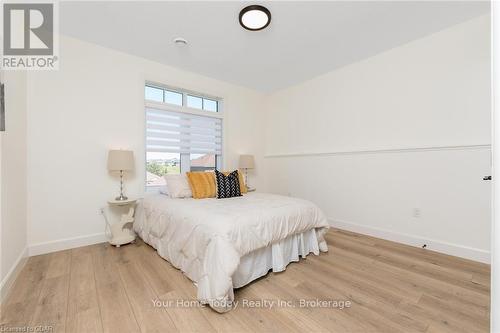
x=432 y=92
x=96 y=102
x=13 y=179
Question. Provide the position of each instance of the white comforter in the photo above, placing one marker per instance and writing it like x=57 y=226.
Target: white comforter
x=206 y=238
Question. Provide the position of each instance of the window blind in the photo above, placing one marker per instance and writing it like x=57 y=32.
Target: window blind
x=179 y=132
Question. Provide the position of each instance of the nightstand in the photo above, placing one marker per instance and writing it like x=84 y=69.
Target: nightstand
x=119 y=217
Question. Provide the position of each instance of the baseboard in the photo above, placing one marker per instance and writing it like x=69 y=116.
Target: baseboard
x=432 y=244
x=11 y=276
x=67 y=243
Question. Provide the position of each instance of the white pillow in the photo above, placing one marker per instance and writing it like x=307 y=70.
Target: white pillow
x=164 y=190
x=178 y=186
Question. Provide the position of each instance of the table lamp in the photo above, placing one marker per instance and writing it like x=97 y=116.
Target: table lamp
x=246 y=162
x=121 y=160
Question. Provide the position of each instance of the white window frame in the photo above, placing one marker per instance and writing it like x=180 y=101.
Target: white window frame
x=185 y=159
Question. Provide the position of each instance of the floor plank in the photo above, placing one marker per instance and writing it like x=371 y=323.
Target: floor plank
x=391 y=287
x=18 y=308
x=52 y=305
x=116 y=311
x=84 y=314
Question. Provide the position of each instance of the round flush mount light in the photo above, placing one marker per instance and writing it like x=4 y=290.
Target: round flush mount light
x=255 y=17
x=180 y=41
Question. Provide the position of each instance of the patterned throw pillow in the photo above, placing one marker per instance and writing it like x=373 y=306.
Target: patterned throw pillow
x=227 y=186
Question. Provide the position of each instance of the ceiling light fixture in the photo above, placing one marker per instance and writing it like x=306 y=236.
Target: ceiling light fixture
x=255 y=17
x=180 y=41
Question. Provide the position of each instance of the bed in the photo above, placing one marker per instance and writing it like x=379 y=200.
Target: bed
x=221 y=244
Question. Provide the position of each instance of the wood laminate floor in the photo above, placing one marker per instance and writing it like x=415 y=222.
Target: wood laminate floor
x=391 y=287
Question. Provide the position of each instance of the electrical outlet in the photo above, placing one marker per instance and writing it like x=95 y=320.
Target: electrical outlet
x=416 y=212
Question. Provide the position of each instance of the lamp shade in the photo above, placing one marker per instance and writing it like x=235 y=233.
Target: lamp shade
x=120 y=160
x=246 y=162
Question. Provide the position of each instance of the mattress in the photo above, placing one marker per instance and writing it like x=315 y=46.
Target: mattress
x=210 y=239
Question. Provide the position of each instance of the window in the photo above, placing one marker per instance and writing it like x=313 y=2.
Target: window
x=203 y=162
x=194 y=102
x=154 y=94
x=172 y=97
x=202 y=103
x=176 y=97
x=180 y=138
x=209 y=105
x=159 y=165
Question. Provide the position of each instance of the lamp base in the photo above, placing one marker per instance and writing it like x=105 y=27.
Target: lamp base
x=121 y=198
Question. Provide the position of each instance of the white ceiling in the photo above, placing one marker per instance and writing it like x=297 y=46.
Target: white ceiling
x=304 y=39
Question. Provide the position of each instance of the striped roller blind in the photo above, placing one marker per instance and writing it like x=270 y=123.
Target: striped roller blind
x=179 y=132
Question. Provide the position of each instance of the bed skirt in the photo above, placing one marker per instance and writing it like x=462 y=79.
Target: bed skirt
x=275 y=257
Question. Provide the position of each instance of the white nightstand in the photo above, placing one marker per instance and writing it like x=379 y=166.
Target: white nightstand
x=119 y=217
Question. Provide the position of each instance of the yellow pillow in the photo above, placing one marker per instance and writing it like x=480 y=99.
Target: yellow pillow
x=202 y=184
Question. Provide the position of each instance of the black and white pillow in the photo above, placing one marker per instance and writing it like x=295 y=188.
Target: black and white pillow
x=227 y=186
